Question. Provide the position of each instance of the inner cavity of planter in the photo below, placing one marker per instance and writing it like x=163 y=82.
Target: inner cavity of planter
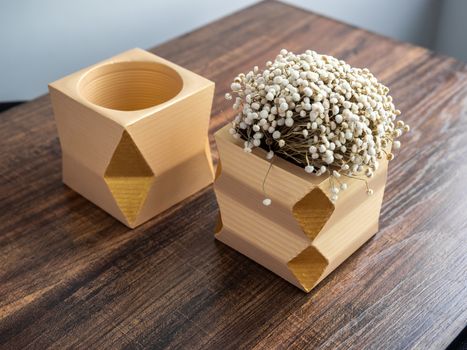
x=130 y=86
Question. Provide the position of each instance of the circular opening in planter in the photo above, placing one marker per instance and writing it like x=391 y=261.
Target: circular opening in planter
x=130 y=86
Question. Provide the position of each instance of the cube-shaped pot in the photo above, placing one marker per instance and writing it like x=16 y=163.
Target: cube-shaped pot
x=302 y=236
x=133 y=131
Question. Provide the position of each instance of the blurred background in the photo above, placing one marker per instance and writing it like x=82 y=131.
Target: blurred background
x=42 y=41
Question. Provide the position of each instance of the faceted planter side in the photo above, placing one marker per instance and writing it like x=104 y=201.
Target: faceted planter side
x=133 y=131
x=302 y=236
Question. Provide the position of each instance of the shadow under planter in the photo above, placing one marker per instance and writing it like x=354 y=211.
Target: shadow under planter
x=134 y=134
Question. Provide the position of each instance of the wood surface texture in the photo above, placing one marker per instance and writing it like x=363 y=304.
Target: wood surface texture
x=73 y=276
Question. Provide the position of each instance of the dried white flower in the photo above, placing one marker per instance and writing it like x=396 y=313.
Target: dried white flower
x=318 y=112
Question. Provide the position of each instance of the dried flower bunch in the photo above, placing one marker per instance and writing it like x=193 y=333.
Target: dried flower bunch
x=318 y=112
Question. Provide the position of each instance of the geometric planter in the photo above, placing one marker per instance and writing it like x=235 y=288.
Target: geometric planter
x=133 y=131
x=302 y=236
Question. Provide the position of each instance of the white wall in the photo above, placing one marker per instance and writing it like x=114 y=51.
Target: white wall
x=41 y=41
x=406 y=20
x=452 y=34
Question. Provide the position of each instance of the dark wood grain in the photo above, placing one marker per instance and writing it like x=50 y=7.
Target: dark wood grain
x=72 y=276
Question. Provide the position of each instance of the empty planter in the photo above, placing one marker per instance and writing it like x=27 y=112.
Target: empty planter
x=134 y=134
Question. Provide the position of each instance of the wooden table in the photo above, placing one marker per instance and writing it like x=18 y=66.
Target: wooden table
x=72 y=276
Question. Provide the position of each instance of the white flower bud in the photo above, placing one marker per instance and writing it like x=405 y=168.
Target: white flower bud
x=308 y=92
x=235 y=86
x=309 y=169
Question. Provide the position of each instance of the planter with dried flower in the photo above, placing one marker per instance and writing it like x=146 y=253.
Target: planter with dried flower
x=303 y=166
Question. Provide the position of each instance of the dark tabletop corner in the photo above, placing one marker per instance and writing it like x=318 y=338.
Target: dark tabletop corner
x=7 y=105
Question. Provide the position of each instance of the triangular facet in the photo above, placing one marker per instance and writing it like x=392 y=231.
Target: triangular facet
x=129 y=177
x=312 y=212
x=308 y=266
x=218 y=170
